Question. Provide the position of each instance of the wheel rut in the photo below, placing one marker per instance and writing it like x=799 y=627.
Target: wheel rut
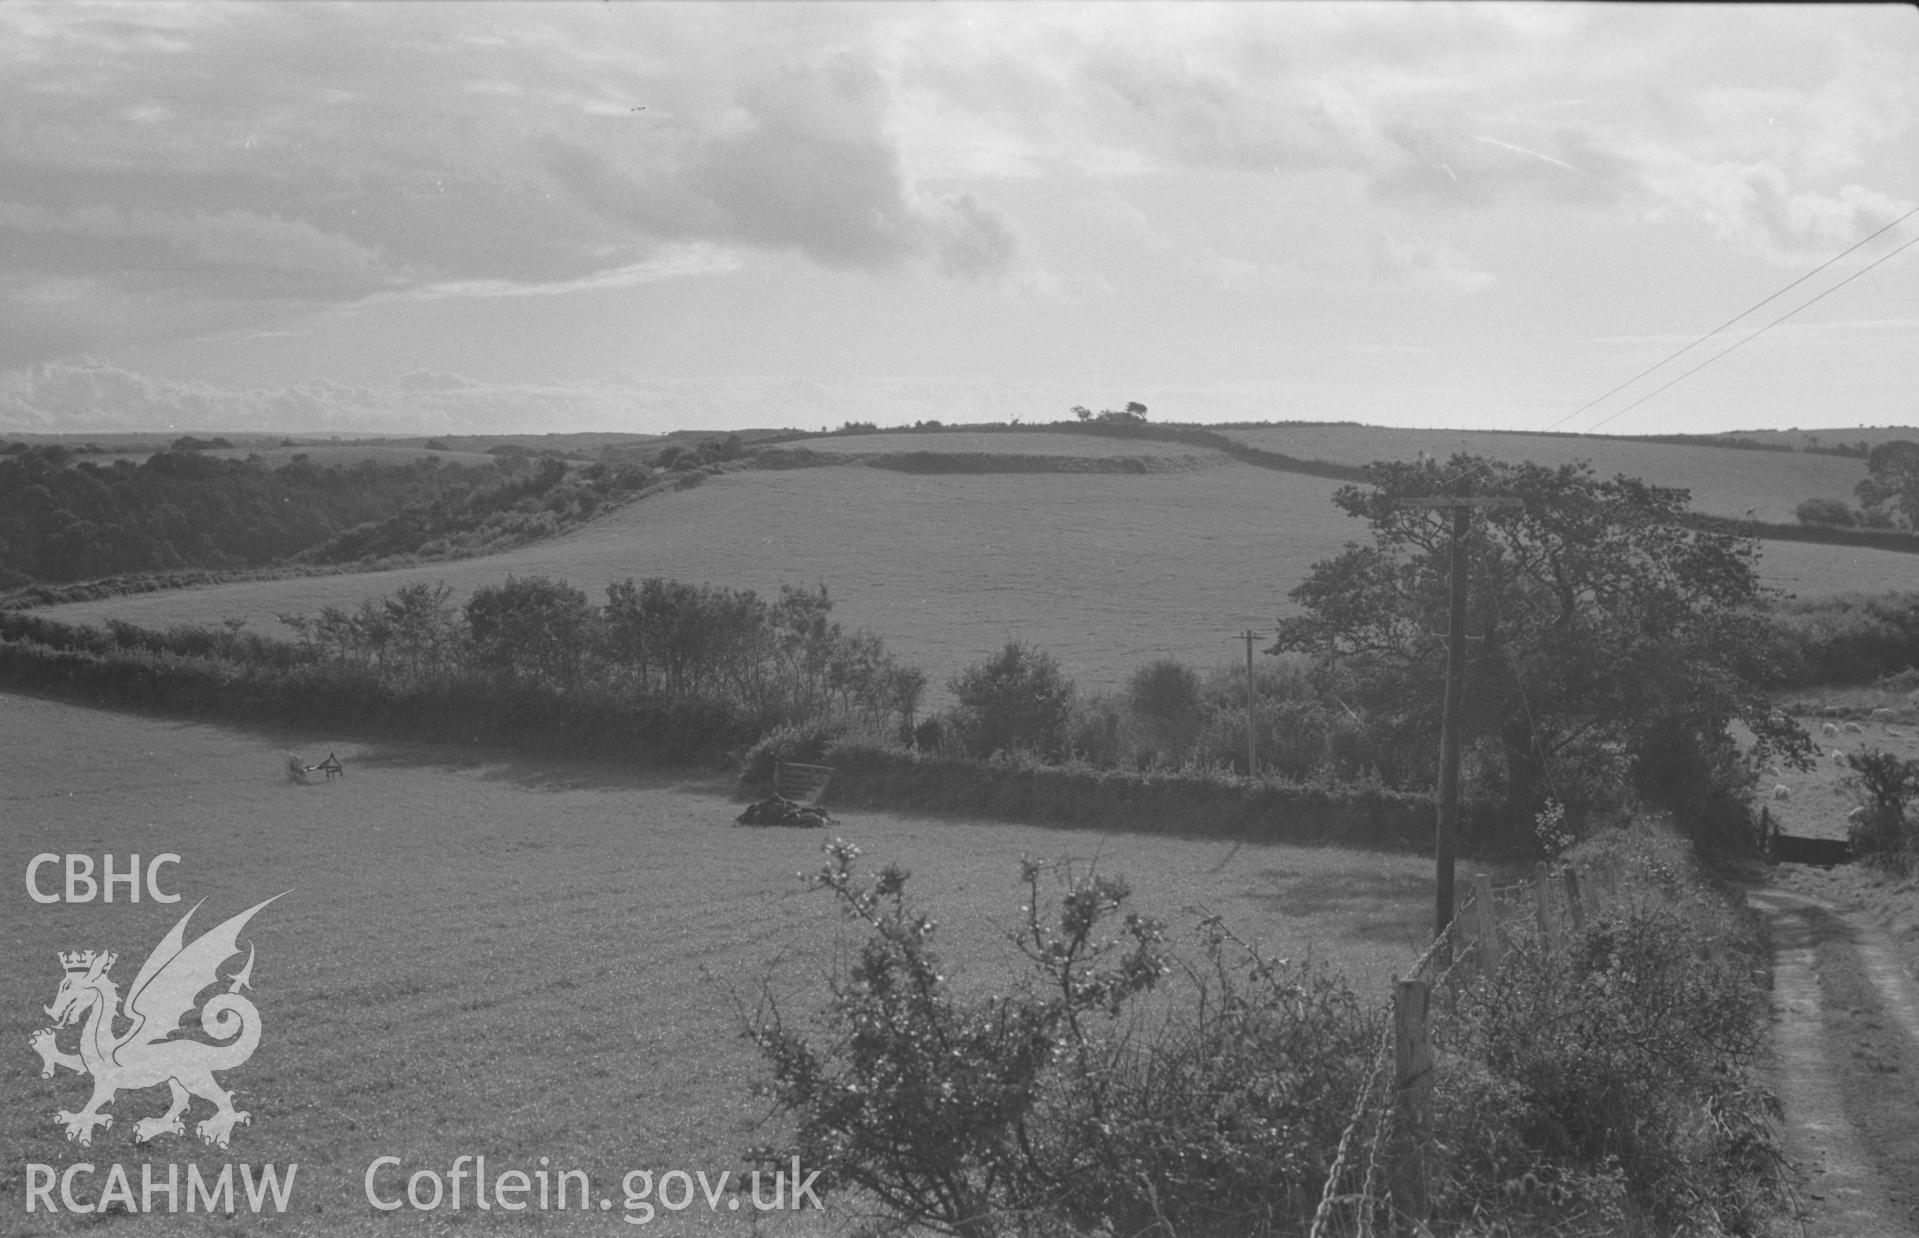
x=1846 y=1053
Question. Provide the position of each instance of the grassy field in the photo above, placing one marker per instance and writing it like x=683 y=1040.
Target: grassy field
x=1724 y=481
x=1821 y=797
x=1036 y=443
x=520 y=960
x=344 y=455
x=1106 y=571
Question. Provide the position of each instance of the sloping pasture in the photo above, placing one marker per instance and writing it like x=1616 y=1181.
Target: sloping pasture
x=1724 y=481
x=1000 y=443
x=1106 y=571
x=522 y=961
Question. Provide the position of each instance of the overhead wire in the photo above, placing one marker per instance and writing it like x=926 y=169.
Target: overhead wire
x=1670 y=357
x=1756 y=334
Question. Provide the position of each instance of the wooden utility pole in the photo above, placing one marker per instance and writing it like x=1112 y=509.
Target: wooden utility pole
x=1252 y=756
x=1446 y=832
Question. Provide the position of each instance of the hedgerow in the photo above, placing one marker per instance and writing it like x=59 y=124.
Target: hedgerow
x=1121 y=1082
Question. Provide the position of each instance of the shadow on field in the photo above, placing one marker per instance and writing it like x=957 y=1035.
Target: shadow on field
x=1382 y=905
x=547 y=773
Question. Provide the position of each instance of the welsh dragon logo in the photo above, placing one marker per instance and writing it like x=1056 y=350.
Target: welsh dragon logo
x=145 y=1053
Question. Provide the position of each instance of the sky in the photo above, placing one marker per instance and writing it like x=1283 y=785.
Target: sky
x=484 y=217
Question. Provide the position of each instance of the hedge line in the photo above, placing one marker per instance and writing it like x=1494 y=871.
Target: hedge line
x=535 y=720
x=1189 y=805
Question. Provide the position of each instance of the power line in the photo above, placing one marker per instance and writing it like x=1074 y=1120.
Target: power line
x=1736 y=317
x=1756 y=334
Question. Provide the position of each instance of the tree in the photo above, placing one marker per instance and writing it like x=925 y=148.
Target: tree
x=1018 y=700
x=1598 y=620
x=531 y=629
x=1165 y=696
x=1892 y=476
x=1830 y=512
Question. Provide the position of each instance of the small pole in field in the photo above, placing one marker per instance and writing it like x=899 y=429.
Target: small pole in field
x=1252 y=755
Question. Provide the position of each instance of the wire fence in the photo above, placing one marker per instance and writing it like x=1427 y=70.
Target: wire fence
x=1382 y=1172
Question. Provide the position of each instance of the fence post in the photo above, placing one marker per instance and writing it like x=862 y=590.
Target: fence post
x=1486 y=924
x=1413 y=1092
x=1543 y=905
x=1571 y=876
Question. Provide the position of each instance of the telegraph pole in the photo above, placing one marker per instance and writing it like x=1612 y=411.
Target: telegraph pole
x=1446 y=832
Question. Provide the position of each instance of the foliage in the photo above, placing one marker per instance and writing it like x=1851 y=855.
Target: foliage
x=1165 y=695
x=1016 y=701
x=529 y=652
x=180 y=508
x=1619 y=1072
x=1596 y=612
x=1892 y=480
x=1062 y=1104
x=530 y=629
x=1834 y=512
x=1884 y=836
x=1850 y=638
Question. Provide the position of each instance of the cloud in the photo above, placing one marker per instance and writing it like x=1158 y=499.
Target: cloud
x=249 y=161
x=1759 y=210
x=427 y=380
x=1424 y=265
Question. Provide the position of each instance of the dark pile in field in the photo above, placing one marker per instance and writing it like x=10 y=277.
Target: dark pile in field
x=778 y=810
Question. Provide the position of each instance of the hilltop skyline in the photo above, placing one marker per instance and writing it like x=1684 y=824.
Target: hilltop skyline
x=481 y=218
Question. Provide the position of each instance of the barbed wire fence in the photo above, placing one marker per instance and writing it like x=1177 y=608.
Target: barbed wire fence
x=1381 y=1178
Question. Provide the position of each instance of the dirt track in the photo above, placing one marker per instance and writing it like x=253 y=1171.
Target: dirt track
x=1846 y=1019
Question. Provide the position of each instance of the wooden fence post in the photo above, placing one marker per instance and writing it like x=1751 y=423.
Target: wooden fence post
x=1413 y=1093
x=1571 y=876
x=1486 y=924
x=1543 y=905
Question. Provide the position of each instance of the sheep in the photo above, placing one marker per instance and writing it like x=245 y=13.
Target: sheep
x=1839 y=758
x=1782 y=792
x=1853 y=728
x=1830 y=729
x=1882 y=715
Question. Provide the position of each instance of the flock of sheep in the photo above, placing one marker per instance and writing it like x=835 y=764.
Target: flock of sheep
x=1833 y=730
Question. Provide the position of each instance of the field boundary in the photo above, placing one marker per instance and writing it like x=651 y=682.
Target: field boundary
x=1186 y=805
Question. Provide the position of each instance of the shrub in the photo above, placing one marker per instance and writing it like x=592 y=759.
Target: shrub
x=1833 y=512
x=804 y=742
x=1165 y=696
x=1059 y=1105
x=1608 y=1056
x=1883 y=835
x=1017 y=701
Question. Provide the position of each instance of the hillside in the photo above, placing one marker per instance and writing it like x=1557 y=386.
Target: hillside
x=1725 y=481
x=1106 y=570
